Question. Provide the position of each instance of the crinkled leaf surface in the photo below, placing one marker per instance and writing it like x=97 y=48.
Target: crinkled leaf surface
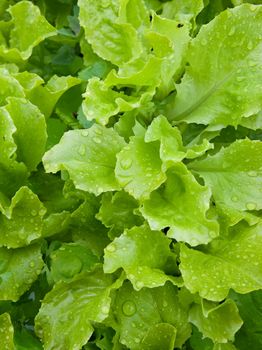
x=224 y=72
x=118 y=212
x=80 y=257
x=29 y=28
x=139 y=168
x=218 y=322
x=21 y=222
x=111 y=39
x=181 y=204
x=234 y=175
x=89 y=156
x=77 y=303
x=19 y=268
x=138 y=313
x=143 y=254
x=228 y=262
x=171 y=145
x=30 y=130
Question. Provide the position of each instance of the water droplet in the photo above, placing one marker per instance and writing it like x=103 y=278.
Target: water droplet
x=85 y=133
x=212 y=234
x=251 y=206
x=33 y=212
x=82 y=150
x=234 y=198
x=204 y=42
x=232 y=31
x=129 y=308
x=252 y=173
x=98 y=132
x=97 y=140
x=137 y=340
x=126 y=163
x=32 y=264
x=42 y=212
x=165 y=304
x=111 y=248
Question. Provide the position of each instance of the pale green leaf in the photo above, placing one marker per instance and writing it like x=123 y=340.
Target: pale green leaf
x=81 y=259
x=72 y=306
x=110 y=39
x=30 y=131
x=19 y=268
x=137 y=314
x=139 y=168
x=181 y=204
x=143 y=254
x=21 y=222
x=89 y=156
x=7 y=129
x=224 y=73
x=230 y=262
x=234 y=174
x=117 y=211
x=29 y=28
x=171 y=145
x=45 y=97
x=102 y=102
x=218 y=322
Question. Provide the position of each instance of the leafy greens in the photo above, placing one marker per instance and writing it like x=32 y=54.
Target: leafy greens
x=130 y=174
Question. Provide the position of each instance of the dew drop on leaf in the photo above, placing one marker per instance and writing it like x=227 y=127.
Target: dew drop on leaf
x=97 y=140
x=252 y=173
x=82 y=150
x=251 y=206
x=234 y=198
x=85 y=133
x=126 y=163
x=129 y=308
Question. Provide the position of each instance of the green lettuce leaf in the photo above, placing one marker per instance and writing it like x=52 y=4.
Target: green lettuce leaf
x=143 y=267
x=139 y=313
x=73 y=306
x=111 y=38
x=28 y=29
x=228 y=262
x=89 y=156
x=6 y=332
x=30 y=130
x=218 y=322
x=81 y=259
x=21 y=222
x=234 y=175
x=181 y=204
x=224 y=71
x=19 y=269
x=118 y=212
x=139 y=168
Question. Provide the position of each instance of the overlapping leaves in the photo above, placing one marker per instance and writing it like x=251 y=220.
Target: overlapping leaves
x=130 y=192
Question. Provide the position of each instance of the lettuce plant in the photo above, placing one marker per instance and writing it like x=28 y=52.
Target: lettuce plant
x=130 y=175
